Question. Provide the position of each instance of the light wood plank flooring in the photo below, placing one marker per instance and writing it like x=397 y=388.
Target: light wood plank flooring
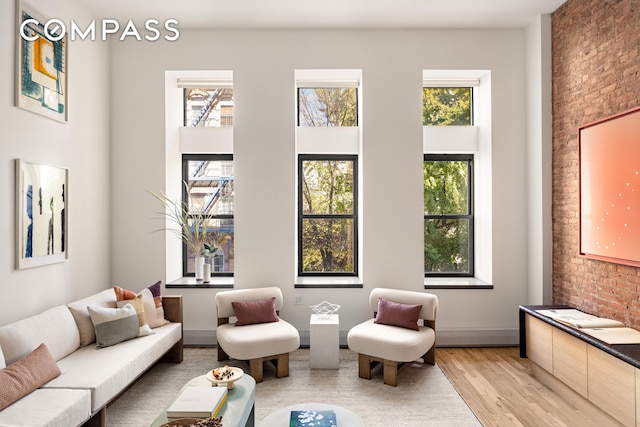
x=497 y=386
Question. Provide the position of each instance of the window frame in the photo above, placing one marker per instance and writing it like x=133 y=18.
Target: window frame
x=469 y=159
x=302 y=216
x=186 y=158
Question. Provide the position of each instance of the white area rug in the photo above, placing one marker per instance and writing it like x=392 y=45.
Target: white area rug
x=424 y=396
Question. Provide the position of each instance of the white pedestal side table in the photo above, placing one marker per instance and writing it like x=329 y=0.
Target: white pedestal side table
x=324 y=337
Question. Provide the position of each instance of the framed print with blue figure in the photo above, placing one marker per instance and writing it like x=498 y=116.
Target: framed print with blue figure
x=42 y=196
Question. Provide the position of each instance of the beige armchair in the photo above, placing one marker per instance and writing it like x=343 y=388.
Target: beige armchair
x=258 y=334
x=381 y=341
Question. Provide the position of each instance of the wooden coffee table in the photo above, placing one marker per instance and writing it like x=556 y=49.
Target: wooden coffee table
x=238 y=410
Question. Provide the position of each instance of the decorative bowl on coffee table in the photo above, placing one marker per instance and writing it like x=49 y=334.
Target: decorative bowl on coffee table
x=236 y=373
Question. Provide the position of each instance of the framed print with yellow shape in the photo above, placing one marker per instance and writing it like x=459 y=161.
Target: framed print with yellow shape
x=41 y=64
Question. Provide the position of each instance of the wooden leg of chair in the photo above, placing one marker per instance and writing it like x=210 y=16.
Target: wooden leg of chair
x=390 y=372
x=282 y=365
x=255 y=369
x=430 y=356
x=364 y=366
x=222 y=355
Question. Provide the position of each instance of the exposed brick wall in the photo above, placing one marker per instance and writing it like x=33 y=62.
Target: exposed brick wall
x=596 y=73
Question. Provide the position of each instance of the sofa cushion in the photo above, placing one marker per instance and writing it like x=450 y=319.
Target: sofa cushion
x=398 y=314
x=390 y=342
x=114 y=325
x=49 y=408
x=2 y=362
x=251 y=312
x=55 y=327
x=258 y=340
x=27 y=374
x=107 y=371
x=79 y=311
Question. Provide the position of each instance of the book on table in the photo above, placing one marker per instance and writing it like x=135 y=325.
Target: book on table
x=308 y=418
x=198 y=402
x=580 y=319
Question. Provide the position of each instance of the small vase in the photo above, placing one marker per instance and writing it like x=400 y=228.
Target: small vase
x=199 y=268
x=206 y=272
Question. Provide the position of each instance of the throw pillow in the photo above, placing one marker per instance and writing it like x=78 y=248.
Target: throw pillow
x=3 y=364
x=114 y=325
x=138 y=304
x=252 y=312
x=397 y=314
x=152 y=297
x=26 y=375
x=81 y=315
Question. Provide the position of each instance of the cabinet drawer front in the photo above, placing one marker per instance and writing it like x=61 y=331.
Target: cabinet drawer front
x=612 y=385
x=570 y=361
x=539 y=342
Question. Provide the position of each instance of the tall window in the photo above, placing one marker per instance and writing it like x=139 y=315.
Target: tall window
x=209 y=191
x=448 y=214
x=327 y=215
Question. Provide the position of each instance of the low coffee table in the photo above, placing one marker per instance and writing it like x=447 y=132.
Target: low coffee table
x=281 y=417
x=238 y=410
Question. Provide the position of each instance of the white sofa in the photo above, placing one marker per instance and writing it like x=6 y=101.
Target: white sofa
x=91 y=377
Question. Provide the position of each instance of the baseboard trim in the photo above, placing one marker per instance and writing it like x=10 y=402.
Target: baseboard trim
x=445 y=337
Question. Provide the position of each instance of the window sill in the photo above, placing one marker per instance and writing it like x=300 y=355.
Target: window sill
x=328 y=282
x=191 y=283
x=455 y=283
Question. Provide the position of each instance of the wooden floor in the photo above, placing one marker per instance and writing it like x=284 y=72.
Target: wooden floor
x=497 y=386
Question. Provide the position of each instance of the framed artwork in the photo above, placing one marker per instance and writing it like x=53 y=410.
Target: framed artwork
x=41 y=64
x=41 y=214
x=609 y=153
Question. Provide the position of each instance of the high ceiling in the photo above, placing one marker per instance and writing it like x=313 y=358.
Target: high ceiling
x=328 y=13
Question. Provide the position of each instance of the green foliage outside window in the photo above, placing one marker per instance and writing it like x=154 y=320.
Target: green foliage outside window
x=446 y=106
x=447 y=243
x=328 y=216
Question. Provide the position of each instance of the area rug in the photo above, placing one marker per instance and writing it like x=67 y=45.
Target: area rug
x=424 y=396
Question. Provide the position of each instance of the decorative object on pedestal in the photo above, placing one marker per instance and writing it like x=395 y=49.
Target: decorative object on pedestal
x=325 y=309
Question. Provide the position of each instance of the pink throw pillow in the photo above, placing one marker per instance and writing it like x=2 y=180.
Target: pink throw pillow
x=252 y=312
x=27 y=374
x=397 y=314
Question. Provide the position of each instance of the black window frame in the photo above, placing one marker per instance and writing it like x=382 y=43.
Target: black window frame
x=186 y=158
x=468 y=158
x=302 y=216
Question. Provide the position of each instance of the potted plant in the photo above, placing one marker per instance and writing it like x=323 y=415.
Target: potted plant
x=191 y=228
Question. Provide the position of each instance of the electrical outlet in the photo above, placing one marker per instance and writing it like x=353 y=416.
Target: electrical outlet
x=298 y=301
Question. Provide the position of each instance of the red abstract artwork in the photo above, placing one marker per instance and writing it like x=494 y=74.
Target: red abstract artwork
x=610 y=189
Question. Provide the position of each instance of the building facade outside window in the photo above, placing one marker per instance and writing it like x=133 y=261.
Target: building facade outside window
x=209 y=190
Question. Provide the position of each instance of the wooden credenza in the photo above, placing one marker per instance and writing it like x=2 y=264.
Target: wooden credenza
x=600 y=379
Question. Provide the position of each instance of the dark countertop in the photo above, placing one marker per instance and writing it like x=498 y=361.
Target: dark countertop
x=630 y=353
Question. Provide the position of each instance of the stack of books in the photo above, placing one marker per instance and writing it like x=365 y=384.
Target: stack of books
x=608 y=330
x=198 y=402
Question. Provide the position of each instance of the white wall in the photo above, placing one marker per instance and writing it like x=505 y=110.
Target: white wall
x=82 y=145
x=263 y=63
x=539 y=162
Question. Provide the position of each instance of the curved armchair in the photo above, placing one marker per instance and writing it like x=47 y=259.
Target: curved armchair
x=258 y=335
x=395 y=335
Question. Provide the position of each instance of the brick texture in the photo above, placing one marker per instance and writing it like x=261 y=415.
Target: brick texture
x=596 y=73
